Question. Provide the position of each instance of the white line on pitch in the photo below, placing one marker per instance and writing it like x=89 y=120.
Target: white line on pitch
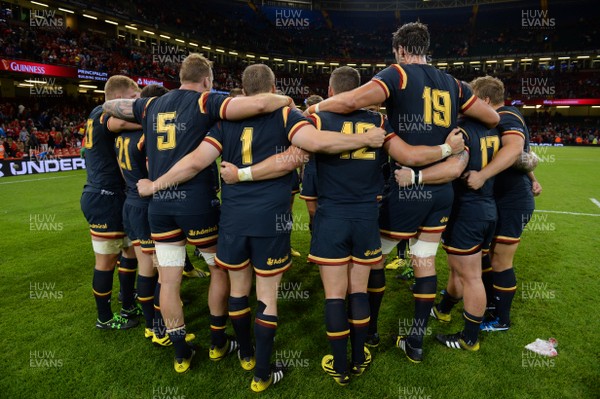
x=45 y=178
x=569 y=213
x=595 y=201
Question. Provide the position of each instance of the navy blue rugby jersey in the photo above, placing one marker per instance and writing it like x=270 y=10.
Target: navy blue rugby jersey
x=349 y=183
x=256 y=208
x=174 y=125
x=100 y=162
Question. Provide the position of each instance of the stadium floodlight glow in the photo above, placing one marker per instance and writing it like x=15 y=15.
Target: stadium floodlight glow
x=538 y=106
x=262 y=57
x=193 y=44
x=442 y=63
x=82 y=91
x=526 y=59
x=65 y=10
x=303 y=62
x=148 y=32
x=334 y=63
x=99 y=91
x=365 y=65
x=545 y=58
x=529 y=106
x=130 y=27
x=39 y=82
x=206 y=47
x=292 y=61
x=89 y=16
x=233 y=53
x=583 y=57
x=459 y=63
x=39 y=4
x=88 y=86
x=491 y=61
x=179 y=41
x=563 y=106
x=595 y=106
x=277 y=59
x=508 y=61
x=219 y=50
x=320 y=63
x=475 y=62
x=564 y=58
x=165 y=36
x=24 y=85
x=352 y=65
x=250 y=56
x=108 y=21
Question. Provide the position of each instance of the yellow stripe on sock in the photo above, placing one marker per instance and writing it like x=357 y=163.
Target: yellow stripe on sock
x=424 y=296
x=363 y=321
x=471 y=320
x=338 y=334
x=504 y=288
x=239 y=312
x=101 y=294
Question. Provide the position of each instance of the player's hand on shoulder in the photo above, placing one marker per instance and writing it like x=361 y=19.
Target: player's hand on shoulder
x=375 y=137
x=145 y=187
x=229 y=173
x=456 y=141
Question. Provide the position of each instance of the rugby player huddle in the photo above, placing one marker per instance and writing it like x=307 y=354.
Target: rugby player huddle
x=465 y=181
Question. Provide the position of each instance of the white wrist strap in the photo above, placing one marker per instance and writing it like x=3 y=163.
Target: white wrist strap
x=446 y=150
x=245 y=174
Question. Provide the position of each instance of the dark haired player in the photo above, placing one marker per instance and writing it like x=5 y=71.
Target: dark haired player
x=414 y=91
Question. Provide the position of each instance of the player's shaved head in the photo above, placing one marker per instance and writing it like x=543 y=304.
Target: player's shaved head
x=258 y=78
x=343 y=79
x=153 y=91
x=489 y=87
x=413 y=37
x=119 y=86
x=194 y=68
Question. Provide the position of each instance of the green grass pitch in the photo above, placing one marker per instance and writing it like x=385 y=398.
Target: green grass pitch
x=50 y=348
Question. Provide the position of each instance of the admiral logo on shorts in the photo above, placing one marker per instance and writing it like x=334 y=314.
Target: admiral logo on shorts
x=277 y=261
x=99 y=226
x=212 y=229
x=372 y=252
x=106 y=192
